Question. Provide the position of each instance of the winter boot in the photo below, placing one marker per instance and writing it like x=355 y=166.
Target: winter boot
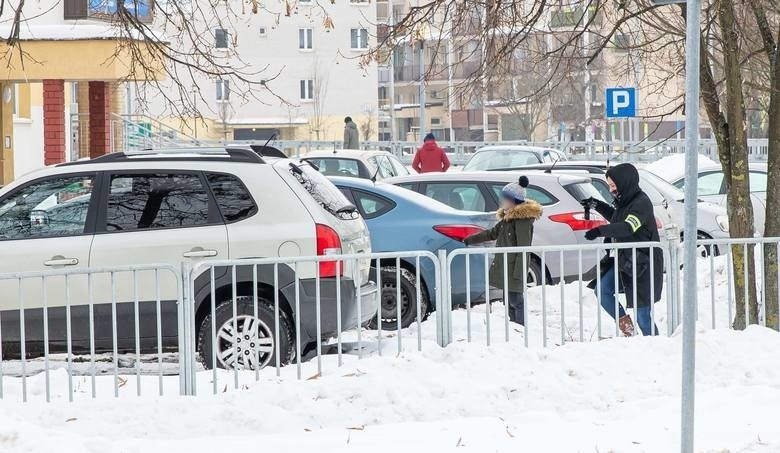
x=626 y=326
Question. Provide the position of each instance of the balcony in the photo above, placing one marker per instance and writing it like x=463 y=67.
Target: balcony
x=467 y=69
x=411 y=73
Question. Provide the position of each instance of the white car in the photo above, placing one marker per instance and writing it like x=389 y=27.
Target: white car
x=376 y=165
x=166 y=208
x=508 y=157
x=712 y=188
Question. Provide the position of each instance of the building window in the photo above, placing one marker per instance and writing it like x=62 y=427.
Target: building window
x=15 y=99
x=435 y=121
x=220 y=38
x=305 y=38
x=359 y=38
x=307 y=90
x=223 y=90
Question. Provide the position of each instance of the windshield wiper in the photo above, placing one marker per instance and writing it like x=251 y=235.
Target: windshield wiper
x=347 y=209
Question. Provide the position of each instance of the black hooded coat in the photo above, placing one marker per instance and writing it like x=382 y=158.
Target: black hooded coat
x=632 y=220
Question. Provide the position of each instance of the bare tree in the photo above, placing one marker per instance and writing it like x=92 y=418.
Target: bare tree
x=739 y=60
x=319 y=100
x=367 y=125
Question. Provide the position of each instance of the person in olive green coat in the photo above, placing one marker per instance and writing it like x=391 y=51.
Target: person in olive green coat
x=514 y=229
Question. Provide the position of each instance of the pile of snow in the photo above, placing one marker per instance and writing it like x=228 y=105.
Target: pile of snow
x=672 y=167
x=618 y=395
x=613 y=395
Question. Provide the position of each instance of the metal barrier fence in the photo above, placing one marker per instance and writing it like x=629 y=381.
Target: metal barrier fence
x=724 y=299
x=207 y=328
x=104 y=318
x=247 y=314
x=577 y=314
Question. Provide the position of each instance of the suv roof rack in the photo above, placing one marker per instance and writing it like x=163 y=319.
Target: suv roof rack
x=232 y=153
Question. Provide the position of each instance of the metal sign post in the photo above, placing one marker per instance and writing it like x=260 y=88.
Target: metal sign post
x=692 y=42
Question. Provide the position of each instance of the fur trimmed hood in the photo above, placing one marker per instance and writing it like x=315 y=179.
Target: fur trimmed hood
x=529 y=209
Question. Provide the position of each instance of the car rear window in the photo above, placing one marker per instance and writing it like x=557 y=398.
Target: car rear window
x=535 y=193
x=234 y=201
x=324 y=192
x=583 y=190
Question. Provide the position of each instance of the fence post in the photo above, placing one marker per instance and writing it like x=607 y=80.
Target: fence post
x=443 y=304
x=672 y=245
x=186 y=324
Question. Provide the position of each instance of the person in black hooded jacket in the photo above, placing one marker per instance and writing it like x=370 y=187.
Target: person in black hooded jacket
x=630 y=220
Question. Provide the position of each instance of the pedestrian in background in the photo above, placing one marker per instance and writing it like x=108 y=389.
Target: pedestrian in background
x=430 y=158
x=630 y=220
x=515 y=228
x=351 y=136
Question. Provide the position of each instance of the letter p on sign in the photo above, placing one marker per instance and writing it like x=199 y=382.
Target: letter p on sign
x=621 y=102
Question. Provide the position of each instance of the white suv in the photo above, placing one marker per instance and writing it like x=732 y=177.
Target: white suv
x=169 y=207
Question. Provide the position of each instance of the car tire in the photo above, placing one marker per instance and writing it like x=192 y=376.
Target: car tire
x=535 y=274
x=704 y=250
x=261 y=349
x=408 y=295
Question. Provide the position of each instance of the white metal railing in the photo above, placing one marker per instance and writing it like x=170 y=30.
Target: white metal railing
x=118 y=330
x=134 y=132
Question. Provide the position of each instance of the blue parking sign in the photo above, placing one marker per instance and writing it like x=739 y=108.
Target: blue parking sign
x=621 y=102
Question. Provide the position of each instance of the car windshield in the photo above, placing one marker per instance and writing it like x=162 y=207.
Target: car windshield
x=501 y=159
x=334 y=166
x=669 y=191
x=323 y=191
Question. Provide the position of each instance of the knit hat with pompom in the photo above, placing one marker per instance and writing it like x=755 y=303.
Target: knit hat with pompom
x=515 y=191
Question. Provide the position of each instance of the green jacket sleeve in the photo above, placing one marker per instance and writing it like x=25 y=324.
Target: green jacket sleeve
x=524 y=232
x=484 y=236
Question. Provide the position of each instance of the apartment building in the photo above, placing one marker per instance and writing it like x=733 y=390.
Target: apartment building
x=301 y=68
x=508 y=109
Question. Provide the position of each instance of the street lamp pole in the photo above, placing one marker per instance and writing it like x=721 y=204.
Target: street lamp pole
x=422 y=89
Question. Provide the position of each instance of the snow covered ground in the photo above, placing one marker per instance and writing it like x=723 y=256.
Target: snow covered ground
x=614 y=395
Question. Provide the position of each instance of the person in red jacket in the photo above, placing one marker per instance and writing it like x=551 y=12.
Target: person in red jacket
x=430 y=158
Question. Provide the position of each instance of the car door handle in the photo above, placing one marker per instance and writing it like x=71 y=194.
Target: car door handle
x=199 y=253
x=61 y=261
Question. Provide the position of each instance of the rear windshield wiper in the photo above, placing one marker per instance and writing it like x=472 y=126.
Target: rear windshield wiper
x=347 y=209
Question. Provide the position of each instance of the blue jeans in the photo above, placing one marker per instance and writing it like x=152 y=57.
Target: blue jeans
x=516 y=307
x=607 y=297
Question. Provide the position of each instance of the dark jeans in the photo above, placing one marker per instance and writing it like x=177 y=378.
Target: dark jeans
x=607 y=297
x=516 y=311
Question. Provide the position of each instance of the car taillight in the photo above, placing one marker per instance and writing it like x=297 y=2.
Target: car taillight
x=577 y=220
x=658 y=224
x=328 y=243
x=458 y=232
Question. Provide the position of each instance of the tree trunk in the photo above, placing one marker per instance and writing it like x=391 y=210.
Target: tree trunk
x=772 y=225
x=729 y=132
x=735 y=167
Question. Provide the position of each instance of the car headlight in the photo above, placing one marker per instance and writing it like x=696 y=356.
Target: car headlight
x=723 y=222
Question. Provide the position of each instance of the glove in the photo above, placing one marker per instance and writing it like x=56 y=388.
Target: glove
x=590 y=203
x=593 y=233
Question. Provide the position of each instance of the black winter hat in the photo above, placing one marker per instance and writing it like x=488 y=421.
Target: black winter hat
x=429 y=137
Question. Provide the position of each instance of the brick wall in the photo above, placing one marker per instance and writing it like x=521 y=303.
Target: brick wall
x=53 y=121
